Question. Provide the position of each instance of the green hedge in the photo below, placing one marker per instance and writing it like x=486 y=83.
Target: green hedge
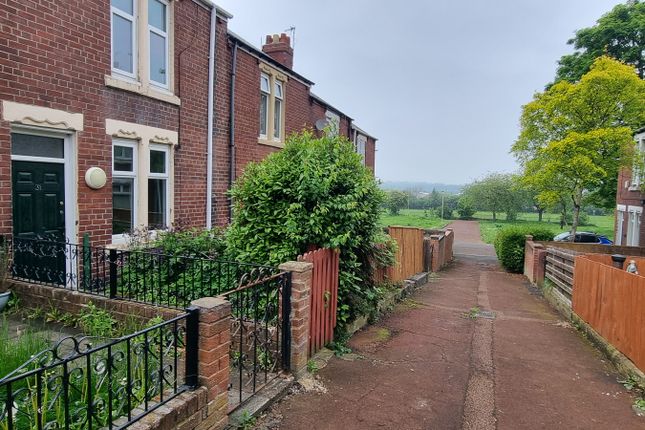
x=509 y=245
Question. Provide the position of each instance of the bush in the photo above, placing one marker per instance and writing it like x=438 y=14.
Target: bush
x=465 y=209
x=509 y=245
x=317 y=192
x=395 y=201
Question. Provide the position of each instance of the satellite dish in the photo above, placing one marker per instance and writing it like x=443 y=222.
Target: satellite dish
x=321 y=124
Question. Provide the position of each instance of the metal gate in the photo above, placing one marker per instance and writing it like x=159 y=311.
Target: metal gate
x=260 y=331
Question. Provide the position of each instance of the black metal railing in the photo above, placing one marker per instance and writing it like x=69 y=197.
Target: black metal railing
x=260 y=332
x=145 y=276
x=76 y=385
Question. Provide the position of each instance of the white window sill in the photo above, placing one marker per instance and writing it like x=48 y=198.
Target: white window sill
x=136 y=87
x=268 y=142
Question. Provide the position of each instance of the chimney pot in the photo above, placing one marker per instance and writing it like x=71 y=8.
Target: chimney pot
x=279 y=48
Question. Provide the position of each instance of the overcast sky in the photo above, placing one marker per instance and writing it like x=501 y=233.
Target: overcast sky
x=439 y=82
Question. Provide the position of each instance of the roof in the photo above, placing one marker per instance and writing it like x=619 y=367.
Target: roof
x=221 y=11
x=249 y=46
x=330 y=106
x=363 y=132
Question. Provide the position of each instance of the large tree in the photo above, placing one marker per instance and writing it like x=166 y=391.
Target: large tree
x=496 y=193
x=576 y=136
x=619 y=34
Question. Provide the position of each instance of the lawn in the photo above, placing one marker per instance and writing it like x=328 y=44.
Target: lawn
x=489 y=228
x=413 y=218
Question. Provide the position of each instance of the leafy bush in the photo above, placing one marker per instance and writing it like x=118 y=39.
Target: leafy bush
x=315 y=192
x=509 y=245
x=465 y=209
x=395 y=201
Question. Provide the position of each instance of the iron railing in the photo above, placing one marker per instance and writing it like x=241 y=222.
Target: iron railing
x=76 y=385
x=260 y=331
x=145 y=276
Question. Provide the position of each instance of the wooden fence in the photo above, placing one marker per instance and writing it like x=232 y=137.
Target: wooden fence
x=559 y=270
x=324 y=297
x=409 y=257
x=612 y=301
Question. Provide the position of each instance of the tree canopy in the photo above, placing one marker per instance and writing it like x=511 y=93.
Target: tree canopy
x=576 y=136
x=619 y=34
x=496 y=192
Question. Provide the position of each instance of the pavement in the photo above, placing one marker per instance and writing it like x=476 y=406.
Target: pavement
x=475 y=348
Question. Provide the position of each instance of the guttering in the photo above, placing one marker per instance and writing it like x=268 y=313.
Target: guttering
x=211 y=103
x=231 y=133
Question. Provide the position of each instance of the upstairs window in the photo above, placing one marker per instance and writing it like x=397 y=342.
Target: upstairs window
x=637 y=168
x=272 y=98
x=158 y=39
x=277 y=111
x=361 y=142
x=333 y=123
x=265 y=95
x=124 y=39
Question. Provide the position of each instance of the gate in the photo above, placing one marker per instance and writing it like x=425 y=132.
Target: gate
x=260 y=331
x=324 y=297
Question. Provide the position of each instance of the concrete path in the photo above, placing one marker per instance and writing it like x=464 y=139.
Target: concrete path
x=433 y=364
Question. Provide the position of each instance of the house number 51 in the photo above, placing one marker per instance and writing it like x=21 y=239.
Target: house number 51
x=38 y=187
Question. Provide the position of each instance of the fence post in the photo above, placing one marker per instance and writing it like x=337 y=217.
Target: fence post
x=192 y=346
x=87 y=262
x=300 y=313
x=286 y=320
x=213 y=349
x=113 y=273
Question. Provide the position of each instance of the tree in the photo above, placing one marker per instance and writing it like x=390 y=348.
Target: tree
x=619 y=34
x=396 y=200
x=496 y=193
x=576 y=136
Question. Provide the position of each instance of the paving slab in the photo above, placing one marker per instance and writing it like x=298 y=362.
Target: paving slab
x=436 y=363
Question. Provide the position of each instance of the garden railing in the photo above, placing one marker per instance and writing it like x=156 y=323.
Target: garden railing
x=76 y=385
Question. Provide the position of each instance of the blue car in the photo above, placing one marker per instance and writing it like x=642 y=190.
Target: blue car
x=584 y=237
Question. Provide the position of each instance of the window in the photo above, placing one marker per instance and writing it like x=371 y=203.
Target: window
x=277 y=112
x=124 y=37
x=124 y=175
x=361 y=142
x=158 y=176
x=272 y=89
x=158 y=32
x=637 y=174
x=333 y=123
x=265 y=94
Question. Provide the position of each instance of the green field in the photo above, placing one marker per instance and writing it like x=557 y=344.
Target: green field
x=413 y=218
x=598 y=224
x=489 y=228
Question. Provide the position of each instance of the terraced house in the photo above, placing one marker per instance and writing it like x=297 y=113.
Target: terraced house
x=125 y=114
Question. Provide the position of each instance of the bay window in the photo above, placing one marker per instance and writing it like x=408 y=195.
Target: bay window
x=272 y=99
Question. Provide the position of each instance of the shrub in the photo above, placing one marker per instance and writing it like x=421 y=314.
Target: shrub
x=317 y=192
x=395 y=201
x=465 y=209
x=509 y=245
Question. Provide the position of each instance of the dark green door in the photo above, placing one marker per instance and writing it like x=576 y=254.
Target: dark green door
x=39 y=221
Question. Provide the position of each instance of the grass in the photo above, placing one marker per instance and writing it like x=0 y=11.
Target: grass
x=598 y=224
x=413 y=218
x=15 y=352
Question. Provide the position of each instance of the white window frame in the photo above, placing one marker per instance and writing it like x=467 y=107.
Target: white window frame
x=333 y=122
x=620 y=224
x=121 y=238
x=165 y=35
x=267 y=115
x=637 y=175
x=633 y=225
x=277 y=133
x=166 y=176
x=361 y=145
x=135 y=43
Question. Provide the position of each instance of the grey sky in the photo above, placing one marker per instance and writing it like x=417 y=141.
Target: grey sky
x=440 y=83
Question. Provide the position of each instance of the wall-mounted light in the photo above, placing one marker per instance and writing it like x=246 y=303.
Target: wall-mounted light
x=95 y=178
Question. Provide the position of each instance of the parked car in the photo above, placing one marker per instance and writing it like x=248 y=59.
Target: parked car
x=584 y=237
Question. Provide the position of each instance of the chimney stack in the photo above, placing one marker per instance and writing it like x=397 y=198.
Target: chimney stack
x=279 y=48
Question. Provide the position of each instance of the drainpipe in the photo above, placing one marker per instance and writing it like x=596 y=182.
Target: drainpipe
x=211 y=103
x=231 y=134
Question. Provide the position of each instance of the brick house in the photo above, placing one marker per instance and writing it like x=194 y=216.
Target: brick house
x=270 y=101
x=109 y=111
x=629 y=230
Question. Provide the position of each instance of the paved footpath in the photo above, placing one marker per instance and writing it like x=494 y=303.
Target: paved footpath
x=428 y=365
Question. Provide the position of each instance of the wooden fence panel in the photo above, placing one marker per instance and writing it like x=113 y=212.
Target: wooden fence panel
x=612 y=301
x=324 y=297
x=559 y=270
x=409 y=257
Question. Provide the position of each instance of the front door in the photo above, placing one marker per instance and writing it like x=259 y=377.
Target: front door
x=39 y=221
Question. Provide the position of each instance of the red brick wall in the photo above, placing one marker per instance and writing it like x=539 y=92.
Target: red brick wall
x=626 y=197
x=370 y=154
x=56 y=54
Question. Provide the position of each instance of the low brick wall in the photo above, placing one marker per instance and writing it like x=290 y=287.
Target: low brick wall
x=441 y=242
x=534 y=261
x=33 y=296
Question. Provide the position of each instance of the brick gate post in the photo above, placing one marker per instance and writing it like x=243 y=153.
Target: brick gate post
x=301 y=272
